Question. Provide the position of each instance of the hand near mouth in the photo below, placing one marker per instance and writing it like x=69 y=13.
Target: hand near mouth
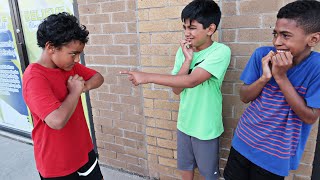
x=266 y=66
x=187 y=49
x=281 y=63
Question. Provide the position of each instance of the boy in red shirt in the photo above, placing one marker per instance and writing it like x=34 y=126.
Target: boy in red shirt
x=51 y=88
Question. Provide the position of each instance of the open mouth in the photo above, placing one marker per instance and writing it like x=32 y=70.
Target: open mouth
x=282 y=50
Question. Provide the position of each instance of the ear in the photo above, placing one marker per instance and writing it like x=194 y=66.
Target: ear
x=314 y=39
x=212 y=28
x=49 y=47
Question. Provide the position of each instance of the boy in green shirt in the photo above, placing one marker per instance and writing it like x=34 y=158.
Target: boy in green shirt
x=197 y=76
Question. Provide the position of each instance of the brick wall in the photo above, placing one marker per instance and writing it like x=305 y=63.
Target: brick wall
x=136 y=126
x=117 y=106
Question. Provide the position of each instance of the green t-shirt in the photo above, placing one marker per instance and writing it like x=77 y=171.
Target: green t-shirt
x=200 y=111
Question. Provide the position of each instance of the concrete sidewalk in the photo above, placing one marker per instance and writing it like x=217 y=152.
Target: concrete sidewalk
x=17 y=161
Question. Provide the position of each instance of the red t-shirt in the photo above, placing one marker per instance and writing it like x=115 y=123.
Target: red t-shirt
x=57 y=152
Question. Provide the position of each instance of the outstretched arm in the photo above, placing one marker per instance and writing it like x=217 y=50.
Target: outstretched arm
x=197 y=77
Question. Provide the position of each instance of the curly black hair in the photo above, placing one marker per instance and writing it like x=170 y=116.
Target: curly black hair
x=206 y=12
x=305 y=12
x=60 y=29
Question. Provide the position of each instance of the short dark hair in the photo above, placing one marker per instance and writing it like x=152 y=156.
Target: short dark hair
x=305 y=12
x=206 y=12
x=60 y=29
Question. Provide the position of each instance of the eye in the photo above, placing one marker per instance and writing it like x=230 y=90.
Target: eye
x=73 y=54
x=274 y=34
x=286 y=36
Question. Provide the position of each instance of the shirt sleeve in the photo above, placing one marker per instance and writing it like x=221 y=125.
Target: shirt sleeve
x=84 y=71
x=217 y=62
x=253 y=70
x=39 y=97
x=178 y=62
x=313 y=91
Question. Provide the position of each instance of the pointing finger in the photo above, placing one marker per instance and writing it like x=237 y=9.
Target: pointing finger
x=124 y=72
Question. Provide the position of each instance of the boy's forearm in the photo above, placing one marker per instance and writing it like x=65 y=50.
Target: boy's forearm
x=296 y=102
x=94 y=82
x=174 y=81
x=59 y=117
x=184 y=70
x=250 y=92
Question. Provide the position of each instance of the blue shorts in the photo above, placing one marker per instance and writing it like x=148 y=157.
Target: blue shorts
x=193 y=153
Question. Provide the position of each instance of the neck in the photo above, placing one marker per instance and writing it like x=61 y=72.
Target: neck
x=298 y=59
x=46 y=61
x=204 y=46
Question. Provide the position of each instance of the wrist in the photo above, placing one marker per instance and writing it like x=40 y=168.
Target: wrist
x=264 y=79
x=147 y=78
x=86 y=87
x=187 y=60
x=279 y=79
x=75 y=94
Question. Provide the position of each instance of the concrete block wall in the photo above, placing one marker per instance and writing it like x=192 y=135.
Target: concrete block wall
x=136 y=126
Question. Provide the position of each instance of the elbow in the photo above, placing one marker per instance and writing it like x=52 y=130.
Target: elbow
x=101 y=79
x=56 y=125
x=176 y=91
x=310 y=120
x=244 y=100
x=192 y=83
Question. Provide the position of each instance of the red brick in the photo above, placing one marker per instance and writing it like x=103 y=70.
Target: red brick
x=128 y=16
x=160 y=151
x=137 y=169
x=133 y=118
x=136 y=152
x=99 y=19
x=116 y=163
x=134 y=136
x=125 y=125
x=113 y=6
x=114 y=28
x=167 y=162
x=159 y=133
x=114 y=147
x=89 y=9
x=126 y=142
x=112 y=131
x=127 y=158
x=107 y=153
x=257 y=7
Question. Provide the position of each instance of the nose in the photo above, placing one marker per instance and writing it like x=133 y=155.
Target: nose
x=77 y=58
x=277 y=41
x=186 y=32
